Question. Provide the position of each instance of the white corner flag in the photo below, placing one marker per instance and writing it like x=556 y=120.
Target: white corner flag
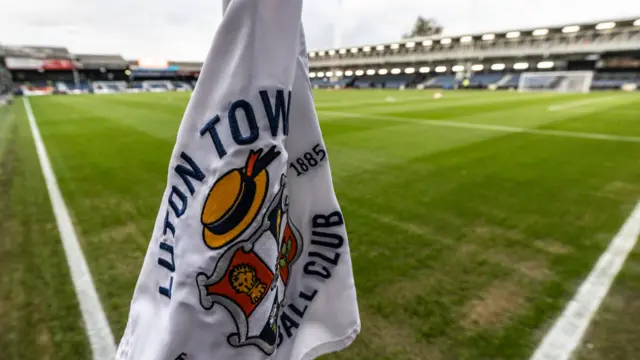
x=249 y=257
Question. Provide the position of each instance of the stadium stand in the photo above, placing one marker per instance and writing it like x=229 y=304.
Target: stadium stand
x=108 y=87
x=181 y=86
x=494 y=60
x=383 y=81
x=476 y=61
x=37 y=69
x=509 y=81
x=326 y=83
x=442 y=81
x=612 y=81
x=484 y=80
x=95 y=67
x=136 y=85
x=5 y=81
x=157 y=86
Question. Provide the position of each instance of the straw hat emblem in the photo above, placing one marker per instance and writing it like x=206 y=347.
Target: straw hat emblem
x=235 y=199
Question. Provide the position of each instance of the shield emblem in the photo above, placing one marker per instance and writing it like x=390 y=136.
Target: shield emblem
x=240 y=282
x=254 y=269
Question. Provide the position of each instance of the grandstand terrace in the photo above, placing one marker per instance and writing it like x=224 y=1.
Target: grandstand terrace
x=484 y=58
x=5 y=81
x=610 y=48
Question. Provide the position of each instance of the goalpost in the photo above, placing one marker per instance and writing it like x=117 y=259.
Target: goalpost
x=557 y=81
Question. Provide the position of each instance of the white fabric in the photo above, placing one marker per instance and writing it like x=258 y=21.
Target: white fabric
x=249 y=237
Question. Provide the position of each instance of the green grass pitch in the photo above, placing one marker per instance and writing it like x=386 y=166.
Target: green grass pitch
x=472 y=218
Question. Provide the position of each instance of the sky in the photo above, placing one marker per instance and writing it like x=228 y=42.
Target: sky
x=183 y=29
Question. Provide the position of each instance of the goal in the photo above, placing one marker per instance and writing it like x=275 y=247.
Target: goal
x=558 y=81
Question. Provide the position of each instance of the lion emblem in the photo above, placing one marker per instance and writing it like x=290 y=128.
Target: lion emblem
x=243 y=280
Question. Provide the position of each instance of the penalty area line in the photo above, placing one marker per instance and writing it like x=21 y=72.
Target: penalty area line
x=95 y=321
x=567 y=332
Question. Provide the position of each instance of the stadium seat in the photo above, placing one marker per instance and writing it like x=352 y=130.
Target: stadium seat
x=383 y=81
x=484 y=80
x=442 y=82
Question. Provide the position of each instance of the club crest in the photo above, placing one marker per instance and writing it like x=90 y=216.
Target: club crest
x=259 y=243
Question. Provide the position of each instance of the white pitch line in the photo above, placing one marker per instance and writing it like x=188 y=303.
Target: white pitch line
x=573 y=104
x=567 y=332
x=500 y=128
x=95 y=320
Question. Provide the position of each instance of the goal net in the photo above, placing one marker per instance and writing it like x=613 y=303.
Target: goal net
x=558 y=81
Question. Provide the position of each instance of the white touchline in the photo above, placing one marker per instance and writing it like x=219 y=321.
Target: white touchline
x=573 y=104
x=95 y=320
x=500 y=128
x=567 y=332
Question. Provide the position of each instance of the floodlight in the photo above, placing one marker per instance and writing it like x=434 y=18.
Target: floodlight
x=488 y=37
x=321 y=52
x=383 y=72
x=366 y=48
x=320 y=74
x=477 y=67
x=606 y=25
x=441 y=69
x=409 y=70
x=427 y=43
x=394 y=46
x=359 y=72
x=332 y=52
x=329 y=74
x=380 y=47
x=521 y=66
x=312 y=75
x=396 y=71
x=570 y=29
x=466 y=39
x=348 y=73
x=354 y=50
x=636 y=23
x=540 y=32
x=424 y=69
x=312 y=54
x=545 y=65
x=410 y=44
x=457 y=68
x=342 y=51
x=513 y=34
x=445 y=41
x=371 y=72
x=339 y=73
x=497 y=67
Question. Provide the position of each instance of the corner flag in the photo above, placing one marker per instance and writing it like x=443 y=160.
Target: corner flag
x=249 y=257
